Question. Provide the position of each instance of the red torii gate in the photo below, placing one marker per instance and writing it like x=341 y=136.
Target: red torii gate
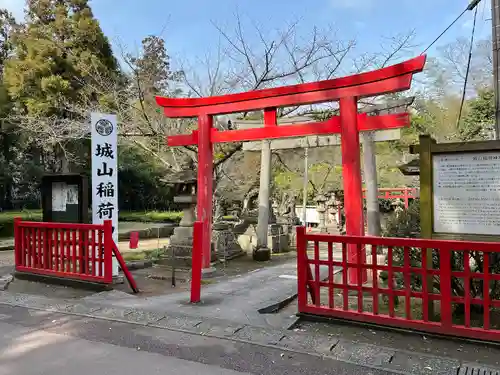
x=349 y=123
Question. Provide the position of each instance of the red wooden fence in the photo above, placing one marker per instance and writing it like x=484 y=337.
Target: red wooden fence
x=78 y=251
x=461 y=286
x=397 y=193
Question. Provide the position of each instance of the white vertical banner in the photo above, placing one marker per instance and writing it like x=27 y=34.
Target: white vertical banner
x=105 y=173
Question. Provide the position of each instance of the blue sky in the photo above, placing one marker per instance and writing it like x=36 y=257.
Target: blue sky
x=187 y=25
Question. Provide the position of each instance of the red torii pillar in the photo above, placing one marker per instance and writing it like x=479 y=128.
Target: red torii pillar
x=349 y=123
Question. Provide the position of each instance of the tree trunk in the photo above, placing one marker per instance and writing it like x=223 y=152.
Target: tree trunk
x=7 y=185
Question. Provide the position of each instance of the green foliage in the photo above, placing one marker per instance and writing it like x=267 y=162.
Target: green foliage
x=153 y=68
x=28 y=215
x=285 y=180
x=406 y=224
x=155 y=255
x=54 y=54
x=7 y=217
x=7 y=220
x=481 y=116
x=140 y=182
x=151 y=216
x=322 y=177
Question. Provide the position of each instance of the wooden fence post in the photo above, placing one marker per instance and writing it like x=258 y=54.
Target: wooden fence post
x=426 y=209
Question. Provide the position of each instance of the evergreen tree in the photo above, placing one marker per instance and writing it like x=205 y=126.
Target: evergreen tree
x=55 y=53
x=480 y=120
x=152 y=68
x=59 y=59
x=8 y=137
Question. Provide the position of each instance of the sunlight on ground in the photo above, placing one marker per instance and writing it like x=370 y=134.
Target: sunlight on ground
x=29 y=342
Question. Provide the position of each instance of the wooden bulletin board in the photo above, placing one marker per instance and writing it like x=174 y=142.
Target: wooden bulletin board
x=460 y=190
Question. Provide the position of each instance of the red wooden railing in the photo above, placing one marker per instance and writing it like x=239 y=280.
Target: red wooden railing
x=416 y=294
x=404 y=193
x=78 y=251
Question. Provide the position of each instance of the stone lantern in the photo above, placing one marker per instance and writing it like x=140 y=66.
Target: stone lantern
x=321 y=209
x=331 y=214
x=179 y=250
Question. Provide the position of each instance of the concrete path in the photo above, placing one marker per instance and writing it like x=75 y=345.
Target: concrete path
x=36 y=352
x=216 y=342
x=47 y=343
x=7 y=258
x=238 y=299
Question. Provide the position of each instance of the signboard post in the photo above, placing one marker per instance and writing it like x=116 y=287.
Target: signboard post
x=466 y=190
x=105 y=173
x=460 y=190
x=459 y=193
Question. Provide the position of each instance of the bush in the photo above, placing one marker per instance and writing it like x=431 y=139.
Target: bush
x=28 y=215
x=7 y=220
x=151 y=216
x=406 y=224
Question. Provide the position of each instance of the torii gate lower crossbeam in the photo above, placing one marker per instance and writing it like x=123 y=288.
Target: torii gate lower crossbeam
x=346 y=90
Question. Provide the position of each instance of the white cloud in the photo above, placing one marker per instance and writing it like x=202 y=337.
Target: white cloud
x=352 y=4
x=16 y=7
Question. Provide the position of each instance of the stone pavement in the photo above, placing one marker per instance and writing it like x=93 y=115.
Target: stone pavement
x=44 y=342
x=6 y=244
x=237 y=299
x=230 y=311
x=290 y=342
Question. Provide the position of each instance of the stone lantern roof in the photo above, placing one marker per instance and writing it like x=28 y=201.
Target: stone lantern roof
x=182 y=177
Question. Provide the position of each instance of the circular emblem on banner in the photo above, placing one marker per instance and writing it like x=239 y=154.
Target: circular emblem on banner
x=104 y=127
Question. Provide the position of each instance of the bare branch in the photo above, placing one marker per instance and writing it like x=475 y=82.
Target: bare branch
x=153 y=153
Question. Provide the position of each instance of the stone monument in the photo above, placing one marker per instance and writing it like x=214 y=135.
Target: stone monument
x=287 y=217
x=250 y=211
x=277 y=239
x=277 y=231
x=224 y=239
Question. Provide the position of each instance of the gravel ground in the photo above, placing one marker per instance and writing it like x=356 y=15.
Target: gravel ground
x=485 y=354
x=6 y=258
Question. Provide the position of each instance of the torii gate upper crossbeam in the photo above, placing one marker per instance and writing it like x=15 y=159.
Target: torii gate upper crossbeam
x=383 y=81
x=331 y=126
x=346 y=90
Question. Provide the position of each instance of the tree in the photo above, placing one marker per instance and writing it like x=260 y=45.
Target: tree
x=8 y=138
x=480 y=119
x=152 y=70
x=140 y=176
x=278 y=57
x=49 y=66
x=288 y=59
x=445 y=72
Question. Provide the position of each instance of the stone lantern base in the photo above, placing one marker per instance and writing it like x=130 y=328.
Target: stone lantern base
x=179 y=252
